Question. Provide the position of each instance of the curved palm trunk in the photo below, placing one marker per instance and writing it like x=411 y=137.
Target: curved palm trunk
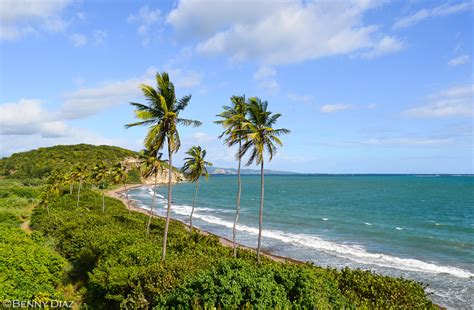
x=165 y=234
x=79 y=193
x=151 y=209
x=126 y=195
x=237 y=210
x=192 y=210
x=260 y=219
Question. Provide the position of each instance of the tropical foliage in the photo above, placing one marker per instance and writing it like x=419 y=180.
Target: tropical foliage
x=233 y=119
x=195 y=166
x=162 y=116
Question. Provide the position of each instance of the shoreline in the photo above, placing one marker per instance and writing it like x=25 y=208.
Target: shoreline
x=119 y=193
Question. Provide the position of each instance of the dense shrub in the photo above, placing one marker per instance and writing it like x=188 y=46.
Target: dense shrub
x=29 y=268
x=121 y=267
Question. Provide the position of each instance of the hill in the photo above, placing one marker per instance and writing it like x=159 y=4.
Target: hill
x=40 y=162
x=217 y=170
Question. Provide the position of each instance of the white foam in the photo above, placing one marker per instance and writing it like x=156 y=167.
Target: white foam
x=324 y=219
x=398 y=228
x=356 y=253
x=368 y=224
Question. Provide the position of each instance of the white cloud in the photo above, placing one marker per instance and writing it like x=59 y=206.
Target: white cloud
x=99 y=37
x=442 y=10
x=460 y=60
x=265 y=75
x=331 y=108
x=453 y=102
x=300 y=98
x=409 y=141
x=386 y=45
x=278 y=32
x=183 y=78
x=21 y=18
x=147 y=19
x=78 y=39
x=34 y=119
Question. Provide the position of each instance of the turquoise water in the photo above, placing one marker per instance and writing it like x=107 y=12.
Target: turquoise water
x=418 y=227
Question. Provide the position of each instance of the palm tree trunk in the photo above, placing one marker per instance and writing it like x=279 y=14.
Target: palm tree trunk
x=192 y=210
x=170 y=171
x=237 y=210
x=126 y=195
x=79 y=192
x=260 y=219
x=103 y=201
x=151 y=209
x=70 y=188
x=47 y=208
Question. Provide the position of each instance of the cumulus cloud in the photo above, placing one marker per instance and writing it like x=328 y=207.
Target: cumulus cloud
x=265 y=75
x=460 y=60
x=386 y=45
x=78 y=39
x=279 y=32
x=456 y=101
x=26 y=117
x=147 y=19
x=99 y=37
x=423 y=14
x=331 y=108
x=21 y=18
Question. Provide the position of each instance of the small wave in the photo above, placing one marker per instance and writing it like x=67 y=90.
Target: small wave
x=368 y=224
x=324 y=218
x=356 y=253
x=398 y=228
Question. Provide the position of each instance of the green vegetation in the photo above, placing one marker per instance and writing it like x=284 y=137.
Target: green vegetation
x=30 y=269
x=40 y=163
x=120 y=266
x=74 y=250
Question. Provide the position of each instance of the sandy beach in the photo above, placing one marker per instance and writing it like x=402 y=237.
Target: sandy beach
x=119 y=193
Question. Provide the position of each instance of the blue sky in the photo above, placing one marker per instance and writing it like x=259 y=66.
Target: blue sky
x=364 y=86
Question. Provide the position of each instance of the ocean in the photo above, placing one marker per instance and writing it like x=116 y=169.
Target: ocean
x=419 y=227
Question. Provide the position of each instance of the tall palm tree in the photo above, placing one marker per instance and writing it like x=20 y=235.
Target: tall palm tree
x=161 y=115
x=80 y=174
x=151 y=166
x=68 y=179
x=194 y=167
x=99 y=175
x=119 y=175
x=261 y=137
x=233 y=119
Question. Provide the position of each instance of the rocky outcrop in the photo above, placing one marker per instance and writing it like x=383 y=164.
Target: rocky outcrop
x=162 y=178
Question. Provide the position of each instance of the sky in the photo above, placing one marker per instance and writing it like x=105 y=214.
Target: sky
x=365 y=86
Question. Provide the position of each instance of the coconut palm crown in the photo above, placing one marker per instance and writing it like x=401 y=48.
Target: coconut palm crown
x=261 y=137
x=194 y=167
x=161 y=115
x=234 y=120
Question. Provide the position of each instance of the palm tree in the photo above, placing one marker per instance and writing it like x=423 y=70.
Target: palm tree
x=261 y=137
x=53 y=187
x=161 y=115
x=68 y=179
x=119 y=175
x=151 y=165
x=79 y=173
x=194 y=167
x=233 y=120
x=99 y=175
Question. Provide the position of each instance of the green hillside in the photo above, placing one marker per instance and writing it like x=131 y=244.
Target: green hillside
x=40 y=162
